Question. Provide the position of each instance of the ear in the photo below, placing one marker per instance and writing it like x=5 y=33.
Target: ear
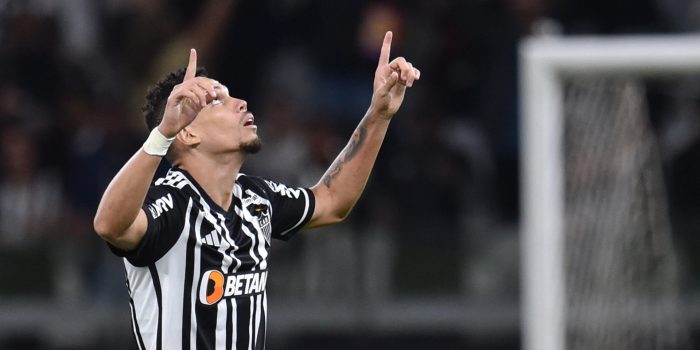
x=189 y=137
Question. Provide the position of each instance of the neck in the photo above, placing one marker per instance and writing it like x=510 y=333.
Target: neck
x=216 y=175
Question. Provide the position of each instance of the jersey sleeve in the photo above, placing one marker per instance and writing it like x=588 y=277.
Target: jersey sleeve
x=165 y=211
x=292 y=208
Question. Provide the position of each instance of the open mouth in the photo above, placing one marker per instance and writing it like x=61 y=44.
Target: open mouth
x=249 y=121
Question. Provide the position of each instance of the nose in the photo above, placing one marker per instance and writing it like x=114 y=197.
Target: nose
x=242 y=106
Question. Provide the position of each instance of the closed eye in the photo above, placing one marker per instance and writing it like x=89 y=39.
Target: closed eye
x=215 y=102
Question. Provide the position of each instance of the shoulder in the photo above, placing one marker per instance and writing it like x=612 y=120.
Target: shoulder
x=267 y=187
x=174 y=179
x=173 y=185
x=254 y=184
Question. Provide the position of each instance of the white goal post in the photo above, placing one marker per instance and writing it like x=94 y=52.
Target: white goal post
x=543 y=63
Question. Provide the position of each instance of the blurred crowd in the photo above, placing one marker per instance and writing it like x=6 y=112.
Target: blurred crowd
x=444 y=193
x=73 y=78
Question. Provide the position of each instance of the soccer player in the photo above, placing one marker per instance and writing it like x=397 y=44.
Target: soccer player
x=195 y=243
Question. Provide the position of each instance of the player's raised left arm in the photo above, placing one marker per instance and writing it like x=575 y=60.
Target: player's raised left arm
x=342 y=184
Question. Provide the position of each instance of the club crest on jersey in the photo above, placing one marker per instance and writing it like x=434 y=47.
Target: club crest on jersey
x=259 y=208
x=215 y=286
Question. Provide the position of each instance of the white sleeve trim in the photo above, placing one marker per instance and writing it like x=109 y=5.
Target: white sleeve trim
x=303 y=217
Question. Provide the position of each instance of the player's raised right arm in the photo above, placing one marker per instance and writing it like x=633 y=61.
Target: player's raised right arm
x=120 y=219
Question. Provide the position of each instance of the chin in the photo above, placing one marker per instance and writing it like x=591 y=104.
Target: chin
x=252 y=147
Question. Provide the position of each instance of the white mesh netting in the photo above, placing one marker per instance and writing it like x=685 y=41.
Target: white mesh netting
x=620 y=266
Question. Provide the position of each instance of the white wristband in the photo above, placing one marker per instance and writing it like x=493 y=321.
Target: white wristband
x=157 y=144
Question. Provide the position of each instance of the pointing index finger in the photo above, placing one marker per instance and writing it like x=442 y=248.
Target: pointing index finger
x=191 y=65
x=386 y=49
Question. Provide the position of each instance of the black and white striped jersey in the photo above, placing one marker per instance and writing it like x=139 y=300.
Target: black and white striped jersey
x=197 y=279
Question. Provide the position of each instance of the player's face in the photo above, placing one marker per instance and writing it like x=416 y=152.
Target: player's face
x=226 y=125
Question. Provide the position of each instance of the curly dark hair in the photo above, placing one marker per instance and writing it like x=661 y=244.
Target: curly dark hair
x=157 y=95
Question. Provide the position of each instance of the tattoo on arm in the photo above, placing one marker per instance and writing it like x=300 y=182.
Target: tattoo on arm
x=358 y=138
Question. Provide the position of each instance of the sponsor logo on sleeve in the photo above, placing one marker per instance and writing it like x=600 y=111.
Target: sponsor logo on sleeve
x=161 y=205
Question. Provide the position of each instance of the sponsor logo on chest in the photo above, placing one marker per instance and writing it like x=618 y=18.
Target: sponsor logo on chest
x=215 y=286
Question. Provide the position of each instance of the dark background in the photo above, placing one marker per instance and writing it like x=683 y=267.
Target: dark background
x=429 y=257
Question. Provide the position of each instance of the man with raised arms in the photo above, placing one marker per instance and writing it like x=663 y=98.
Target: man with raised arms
x=195 y=243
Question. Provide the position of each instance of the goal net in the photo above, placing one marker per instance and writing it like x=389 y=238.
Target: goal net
x=600 y=271
x=619 y=263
